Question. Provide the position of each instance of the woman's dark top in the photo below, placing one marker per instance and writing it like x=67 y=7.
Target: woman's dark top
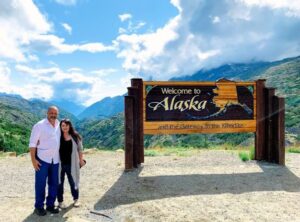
x=65 y=152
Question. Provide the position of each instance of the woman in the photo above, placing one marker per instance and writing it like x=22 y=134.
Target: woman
x=71 y=159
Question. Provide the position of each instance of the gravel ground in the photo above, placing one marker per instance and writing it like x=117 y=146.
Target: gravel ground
x=207 y=186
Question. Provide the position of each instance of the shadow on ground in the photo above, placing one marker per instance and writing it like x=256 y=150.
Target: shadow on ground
x=131 y=188
x=49 y=217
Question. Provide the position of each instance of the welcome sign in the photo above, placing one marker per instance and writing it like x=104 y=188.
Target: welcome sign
x=204 y=107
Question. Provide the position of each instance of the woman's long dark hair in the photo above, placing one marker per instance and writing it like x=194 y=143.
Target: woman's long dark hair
x=74 y=134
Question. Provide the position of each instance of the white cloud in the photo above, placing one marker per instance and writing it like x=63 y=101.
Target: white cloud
x=67 y=27
x=94 y=47
x=73 y=84
x=29 y=90
x=126 y=80
x=75 y=69
x=33 y=58
x=5 y=77
x=19 y=20
x=209 y=33
x=36 y=90
x=52 y=44
x=125 y=16
x=132 y=27
x=37 y=73
x=122 y=30
x=291 y=7
x=104 y=72
x=25 y=31
x=216 y=19
x=66 y=2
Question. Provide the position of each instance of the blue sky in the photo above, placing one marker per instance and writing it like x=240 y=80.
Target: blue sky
x=85 y=50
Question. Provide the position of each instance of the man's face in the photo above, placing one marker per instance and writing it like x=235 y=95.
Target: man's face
x=52 y=114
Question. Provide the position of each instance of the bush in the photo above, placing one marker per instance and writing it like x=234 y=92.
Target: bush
x=244 y=156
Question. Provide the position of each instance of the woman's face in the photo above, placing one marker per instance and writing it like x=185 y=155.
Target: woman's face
x=65 y=127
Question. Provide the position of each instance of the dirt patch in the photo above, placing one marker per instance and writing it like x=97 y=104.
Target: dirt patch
x=207 y=186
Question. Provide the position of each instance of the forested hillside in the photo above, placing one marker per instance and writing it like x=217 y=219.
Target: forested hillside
x=284 y=75
x=18 y=115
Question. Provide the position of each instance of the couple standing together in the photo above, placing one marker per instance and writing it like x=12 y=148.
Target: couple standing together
x=56 y=151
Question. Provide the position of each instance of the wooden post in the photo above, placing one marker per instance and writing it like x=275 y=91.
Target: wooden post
x=129 y=105
x=134 y=93
x=279 y=129
x=269 y=154
x=138 y=83
x=260 y=144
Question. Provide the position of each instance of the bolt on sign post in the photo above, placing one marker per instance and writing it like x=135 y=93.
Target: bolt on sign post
x=208 y=107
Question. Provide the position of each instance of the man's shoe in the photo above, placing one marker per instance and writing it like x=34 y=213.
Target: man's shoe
x=52 y=210
x=40 y=211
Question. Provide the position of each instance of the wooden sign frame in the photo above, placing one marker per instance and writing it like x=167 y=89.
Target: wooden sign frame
x=267 y=122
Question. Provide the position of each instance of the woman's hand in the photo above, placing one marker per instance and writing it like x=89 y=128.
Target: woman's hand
x=81 y=163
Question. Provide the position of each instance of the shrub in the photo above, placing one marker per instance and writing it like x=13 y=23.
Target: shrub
x=244 y=156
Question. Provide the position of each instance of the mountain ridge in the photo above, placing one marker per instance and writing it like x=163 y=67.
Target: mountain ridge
x=16 y=115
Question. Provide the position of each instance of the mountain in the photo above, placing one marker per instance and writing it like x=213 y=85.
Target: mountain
x=99 y=129
x=17 y=116
x=69 y=106
x=104 y=109
x=242 y=72
x=107 y=133
x=110 y=106
x=286 y=79
x=284 y=75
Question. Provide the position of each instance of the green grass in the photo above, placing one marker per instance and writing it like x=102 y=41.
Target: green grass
x=252 y=153
x=294 y=150
x=244 y=155
x=151 y=153
x=248 y=154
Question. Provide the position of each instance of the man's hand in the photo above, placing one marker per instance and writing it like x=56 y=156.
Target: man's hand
x=36 y=164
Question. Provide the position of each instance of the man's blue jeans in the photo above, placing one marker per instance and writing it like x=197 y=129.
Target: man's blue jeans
x=47 y=171
x=66 y=169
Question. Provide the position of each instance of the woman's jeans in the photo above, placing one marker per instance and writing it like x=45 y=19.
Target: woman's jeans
x=66 y=169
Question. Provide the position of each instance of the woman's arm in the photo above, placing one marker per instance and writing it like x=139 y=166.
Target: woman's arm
x=80 y=148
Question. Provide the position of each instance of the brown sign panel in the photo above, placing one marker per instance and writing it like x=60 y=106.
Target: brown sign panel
x=199 y=107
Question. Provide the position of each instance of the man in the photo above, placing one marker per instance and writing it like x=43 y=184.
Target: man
x=44 y=150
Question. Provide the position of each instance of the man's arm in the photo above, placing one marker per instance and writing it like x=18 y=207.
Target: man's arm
x=33 y=143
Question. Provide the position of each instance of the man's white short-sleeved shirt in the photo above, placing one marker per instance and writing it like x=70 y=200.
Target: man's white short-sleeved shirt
x=46 y=138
